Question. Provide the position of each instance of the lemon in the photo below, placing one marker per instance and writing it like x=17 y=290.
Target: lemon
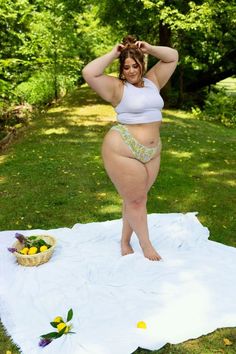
x=43 y=248
x=62 y=325
x=33 y=250
x=24 y=250
x=141 y=324
x=58 y=319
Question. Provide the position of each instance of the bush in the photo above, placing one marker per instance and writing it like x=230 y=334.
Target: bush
x=38 y=90
x=219 y=106
x=41 y=88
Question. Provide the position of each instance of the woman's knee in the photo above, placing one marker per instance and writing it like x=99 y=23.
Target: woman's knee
x=136 y=201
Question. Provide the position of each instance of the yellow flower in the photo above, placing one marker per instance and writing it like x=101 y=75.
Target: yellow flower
x=24 y=250
x=62 y=325
x=33 y=250
x=43 y=248
x=227 y=341
x=141 y=324
x=58 y=319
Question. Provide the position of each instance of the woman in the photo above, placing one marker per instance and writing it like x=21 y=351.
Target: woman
x=131 y=150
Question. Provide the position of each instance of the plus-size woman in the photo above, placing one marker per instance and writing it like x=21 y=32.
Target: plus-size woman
x=131 y=149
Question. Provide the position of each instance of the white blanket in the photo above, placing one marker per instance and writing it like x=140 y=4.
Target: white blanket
x=190 y=293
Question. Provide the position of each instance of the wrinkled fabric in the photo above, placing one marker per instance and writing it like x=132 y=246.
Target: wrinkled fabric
x=189 y=293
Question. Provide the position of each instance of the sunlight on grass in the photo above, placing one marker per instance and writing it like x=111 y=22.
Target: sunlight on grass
x=61 y=130
x=2 y=179
x=231 y=183
x=3 y=158
x=229 y=84
x=100 y=110
x=111 y=209
x=57 y=109
x=204 y=165
x=177 y=113
x=181 y=154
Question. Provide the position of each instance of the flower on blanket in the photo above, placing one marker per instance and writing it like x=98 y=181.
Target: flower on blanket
x=62 y=328
x=142 y=325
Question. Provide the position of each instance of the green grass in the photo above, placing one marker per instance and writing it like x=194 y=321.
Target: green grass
x=229 y=84
x=53 y=176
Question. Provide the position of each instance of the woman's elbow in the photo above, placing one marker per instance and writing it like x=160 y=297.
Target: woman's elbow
x=175 y=55
x=85 y=73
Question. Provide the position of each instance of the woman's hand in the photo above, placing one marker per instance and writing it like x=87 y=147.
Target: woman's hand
x=144 y=46
x=117 y=50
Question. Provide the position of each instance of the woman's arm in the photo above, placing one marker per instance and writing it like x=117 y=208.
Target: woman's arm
x=93 y=73
x=168 y=57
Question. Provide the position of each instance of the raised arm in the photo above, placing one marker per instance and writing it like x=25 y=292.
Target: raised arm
x=168 y=57
x=108 y=87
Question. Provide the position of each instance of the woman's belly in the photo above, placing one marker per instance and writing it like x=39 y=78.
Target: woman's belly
x=147 y=134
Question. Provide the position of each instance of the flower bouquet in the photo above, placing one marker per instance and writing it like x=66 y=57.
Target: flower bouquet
x=61 y=326
x=33 y=250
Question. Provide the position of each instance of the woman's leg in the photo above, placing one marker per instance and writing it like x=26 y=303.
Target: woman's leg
x=130 y=178
x=126 y=235
x=152 y=168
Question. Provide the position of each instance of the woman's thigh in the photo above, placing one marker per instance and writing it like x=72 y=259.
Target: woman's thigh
x=129 y=175
x=152 y=168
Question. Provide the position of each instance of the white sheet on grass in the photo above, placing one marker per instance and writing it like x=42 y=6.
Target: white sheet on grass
x=190 y=293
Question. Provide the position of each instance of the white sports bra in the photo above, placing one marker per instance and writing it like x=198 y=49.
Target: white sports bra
x=140 y=104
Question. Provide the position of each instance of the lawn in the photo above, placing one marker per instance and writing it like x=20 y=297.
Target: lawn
x=228 y=84
x=52 y=176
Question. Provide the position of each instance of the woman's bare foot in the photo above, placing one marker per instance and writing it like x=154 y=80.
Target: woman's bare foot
x=150 y=252
x=126 y=248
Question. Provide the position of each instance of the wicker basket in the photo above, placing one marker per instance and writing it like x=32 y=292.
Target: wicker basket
x=38 y=258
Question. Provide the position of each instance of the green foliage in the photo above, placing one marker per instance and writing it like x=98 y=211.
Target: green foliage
x=202 y=31
x=41 y=87
x=61 y=36
x=35 y=241
x=38 y=90
x=219 y=106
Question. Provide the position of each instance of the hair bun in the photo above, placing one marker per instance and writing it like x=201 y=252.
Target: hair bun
x=129 y=41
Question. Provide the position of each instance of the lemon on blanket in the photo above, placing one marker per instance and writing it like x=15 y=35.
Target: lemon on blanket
x=61 y=326
x=33 y=250
x=58 y=319
x=24 y=250
x=43 y=248
x=141 y=324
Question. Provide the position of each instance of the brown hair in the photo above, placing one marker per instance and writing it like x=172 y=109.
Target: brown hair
x=131 y=50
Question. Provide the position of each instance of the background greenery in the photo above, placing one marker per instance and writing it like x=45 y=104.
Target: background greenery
x=52 y=41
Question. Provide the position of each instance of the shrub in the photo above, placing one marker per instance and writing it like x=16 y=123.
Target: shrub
x=219 y=106
x=38 y=90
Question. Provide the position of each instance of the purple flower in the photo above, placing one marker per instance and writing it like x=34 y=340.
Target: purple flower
x=44 y=342
x=12 y=249
x=21 y=238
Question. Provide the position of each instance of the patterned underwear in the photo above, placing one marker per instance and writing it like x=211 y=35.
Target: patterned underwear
x=140 y=152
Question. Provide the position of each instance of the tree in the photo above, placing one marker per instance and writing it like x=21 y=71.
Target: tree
x=203 y=32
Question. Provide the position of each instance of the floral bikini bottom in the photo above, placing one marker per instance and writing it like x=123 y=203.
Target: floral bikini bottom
x=140 y=152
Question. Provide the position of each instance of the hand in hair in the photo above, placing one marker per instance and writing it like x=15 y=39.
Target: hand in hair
x=117 y=50
x=144 y=46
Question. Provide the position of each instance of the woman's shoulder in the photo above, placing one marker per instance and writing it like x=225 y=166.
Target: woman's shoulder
x=152 y=81
x=119 y=92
